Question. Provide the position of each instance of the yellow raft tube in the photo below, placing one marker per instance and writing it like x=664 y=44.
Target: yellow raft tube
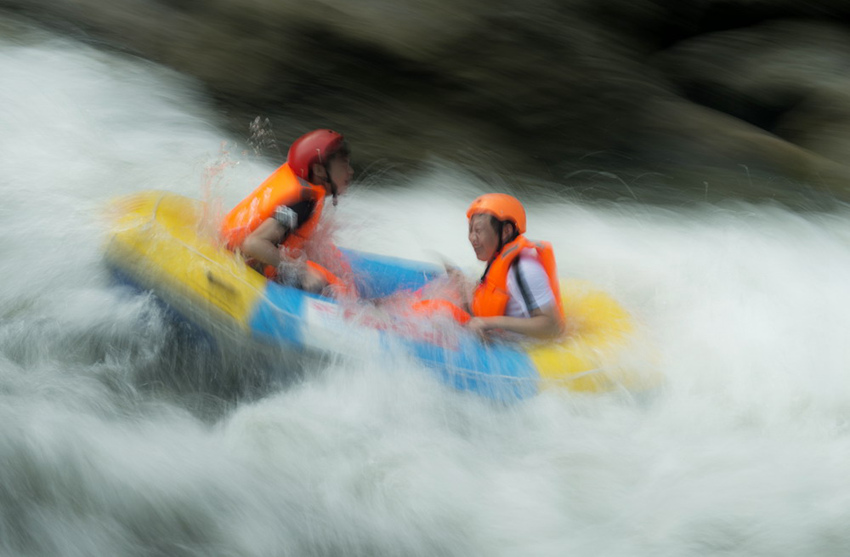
x=166 y=243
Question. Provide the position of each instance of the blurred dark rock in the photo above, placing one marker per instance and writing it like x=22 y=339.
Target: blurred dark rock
x=821 y=121
x=784 y=77
x=542 y=88
x=760 y=73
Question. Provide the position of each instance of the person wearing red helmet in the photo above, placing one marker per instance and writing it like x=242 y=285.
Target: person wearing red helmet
x=272 y=225
x=519 y=290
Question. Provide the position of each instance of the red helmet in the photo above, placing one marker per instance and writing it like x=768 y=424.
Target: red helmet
x=314 y=147
x=502 y=206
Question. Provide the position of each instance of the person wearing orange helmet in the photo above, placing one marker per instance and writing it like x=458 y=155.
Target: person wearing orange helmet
x=272 y=225
x=519 y=290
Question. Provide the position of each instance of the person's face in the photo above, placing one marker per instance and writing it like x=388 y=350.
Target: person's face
x=483 y=237
x=339 y=172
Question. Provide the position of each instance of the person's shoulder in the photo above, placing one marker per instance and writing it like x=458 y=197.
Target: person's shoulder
x=532 y=269
x=529 y=257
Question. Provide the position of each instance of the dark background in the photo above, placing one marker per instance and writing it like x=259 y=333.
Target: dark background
x=620 y=97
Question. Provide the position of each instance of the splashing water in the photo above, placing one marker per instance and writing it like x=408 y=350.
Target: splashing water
x=121 y=437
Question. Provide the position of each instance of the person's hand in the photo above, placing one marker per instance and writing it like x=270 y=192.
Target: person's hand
x=455 y=275
x=289 y=273
x=312 y=281
x=460 y=286
x=479 y=326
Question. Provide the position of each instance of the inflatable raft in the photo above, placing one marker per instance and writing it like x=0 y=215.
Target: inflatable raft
x=162 y=242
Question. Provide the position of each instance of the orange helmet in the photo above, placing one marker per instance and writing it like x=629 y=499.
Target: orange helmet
x=502 y=206
x=314 y=147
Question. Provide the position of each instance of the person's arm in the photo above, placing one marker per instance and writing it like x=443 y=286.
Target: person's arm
x=544 y=323
x=263 y=246
x=262 y=243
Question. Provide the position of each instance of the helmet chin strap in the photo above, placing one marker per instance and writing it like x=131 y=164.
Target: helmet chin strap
x=328 y=181
x=500 y=233
x=333 y=187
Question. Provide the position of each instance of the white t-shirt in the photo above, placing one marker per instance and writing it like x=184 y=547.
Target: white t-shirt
x=536 y=282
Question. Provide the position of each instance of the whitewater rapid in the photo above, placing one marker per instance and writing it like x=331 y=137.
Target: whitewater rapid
x=120 y=438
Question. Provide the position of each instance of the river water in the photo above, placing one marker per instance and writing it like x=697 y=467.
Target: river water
x=120 y=437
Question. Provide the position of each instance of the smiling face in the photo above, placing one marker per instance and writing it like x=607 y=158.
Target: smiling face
x=483 y=236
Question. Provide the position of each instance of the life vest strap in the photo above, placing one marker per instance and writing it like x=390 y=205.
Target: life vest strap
x=530 y=304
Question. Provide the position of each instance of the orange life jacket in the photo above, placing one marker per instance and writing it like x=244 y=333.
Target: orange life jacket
x=283 y=187
x=491 y=296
